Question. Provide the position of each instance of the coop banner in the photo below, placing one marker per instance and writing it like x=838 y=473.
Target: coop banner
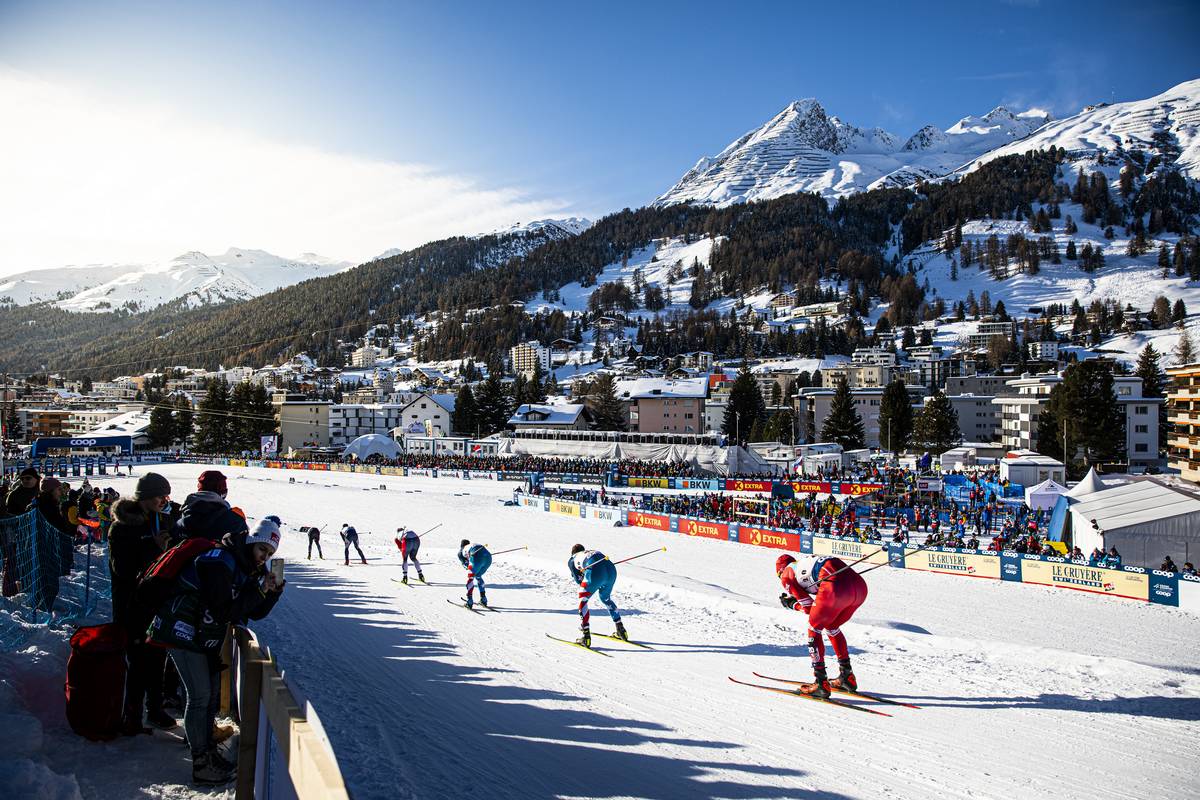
x=699 y=527
x=849 y=550
x=659 y=522
x=806 y=541
x=1189 y=593
x=741 y=485
x=1010 y=565
x=1164 y=587
x=954 y=562
x=1128 y=583
x=768 y=537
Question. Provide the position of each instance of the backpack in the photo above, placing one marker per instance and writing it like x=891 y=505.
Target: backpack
x=95 y=685
x=157 y=583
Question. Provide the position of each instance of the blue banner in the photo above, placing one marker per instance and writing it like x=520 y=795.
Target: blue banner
x=806 y=541
x=1010 y=566
x=895 y=552
x=1164 y=588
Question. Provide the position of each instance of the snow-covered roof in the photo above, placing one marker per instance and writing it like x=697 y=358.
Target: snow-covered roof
x=1135 y=503
x=542 y=414
x=640 y=388
x=446 y=401
x=132 y=423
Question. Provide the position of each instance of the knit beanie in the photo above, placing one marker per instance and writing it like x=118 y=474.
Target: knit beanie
x=212 y=481
x=151 y=485
x=265 y=532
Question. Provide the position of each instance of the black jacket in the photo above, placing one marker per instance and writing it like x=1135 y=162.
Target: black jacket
x=228 y=583
x=19 y=498
x=131 y=548
x=207 y=514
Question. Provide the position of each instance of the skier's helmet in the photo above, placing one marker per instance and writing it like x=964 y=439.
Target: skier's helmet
x=782 y=562
x=464 y=543
x=577 y=549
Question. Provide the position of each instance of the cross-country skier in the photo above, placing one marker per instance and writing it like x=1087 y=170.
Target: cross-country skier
x=409 y=543
x=350 y=537
x=314 y=538
x=594 y=572
x=823 y=588
x=476 y=559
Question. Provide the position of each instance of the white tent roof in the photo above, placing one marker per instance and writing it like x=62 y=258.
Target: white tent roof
x=1155 y=509
x=1044 y=495
x=1090 y=484
x=370 y=445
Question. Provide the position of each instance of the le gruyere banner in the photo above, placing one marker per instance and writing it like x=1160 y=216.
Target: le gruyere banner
x=954 y=562
x=849 y=549
x=1067 y=575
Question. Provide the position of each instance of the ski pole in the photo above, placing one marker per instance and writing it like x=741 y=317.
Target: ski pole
x=431 y=530
x=511 y=550
x=639 y=555
x=877 y=566
x=852 y=563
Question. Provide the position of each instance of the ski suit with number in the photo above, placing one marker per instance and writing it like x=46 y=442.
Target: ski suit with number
x=594 y=573
x=409 y=544
x=829 y=599
x=476 y=559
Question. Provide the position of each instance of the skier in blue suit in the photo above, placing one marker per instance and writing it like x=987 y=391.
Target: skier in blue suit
x=476 y=559
x=594 y=572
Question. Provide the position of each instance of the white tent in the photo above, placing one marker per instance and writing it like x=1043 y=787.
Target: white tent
x=1145 y=520
x=371 y=445
x=1090 y=484
x=1044 y=495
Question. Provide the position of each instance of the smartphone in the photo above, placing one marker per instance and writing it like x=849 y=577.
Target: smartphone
x=277 y=569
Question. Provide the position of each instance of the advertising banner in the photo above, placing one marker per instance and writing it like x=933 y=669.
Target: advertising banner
x=650 y=483
x=422 y=471
x=858 y=489
x=511 y=476
x=1164 y=587
x=564 y=507
x=529 y=501
x=1189 y=592
x=450 y=473
x=741 y=485
x=660 y=522
x=949 y=560
x=812 y=487
x=268 y=445
x=768 y=537
x=806 y=541
x=343 y=468
x=603 y=514
x=895 y=553
x=705 y=484
x=703 y=528
x=1128 y=583
x=591 y=480
x=928 y=485
x=1010 y=565
x=559 y=477
x=849 y=549
x=482 y=475
x=392 y=471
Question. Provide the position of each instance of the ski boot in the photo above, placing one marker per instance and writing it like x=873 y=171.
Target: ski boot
x=845 y=679
x=404 y=580
x=347 y=562
x=820 y=687
x=421 y=578
x=470 y=601
x=364 y=561
x=483 y=600
x=621 y=634
x=586 y=639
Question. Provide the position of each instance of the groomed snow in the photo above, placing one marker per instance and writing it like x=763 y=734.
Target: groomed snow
x=1027 y=692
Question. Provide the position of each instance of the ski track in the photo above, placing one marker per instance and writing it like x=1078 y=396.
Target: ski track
x=1025 y=691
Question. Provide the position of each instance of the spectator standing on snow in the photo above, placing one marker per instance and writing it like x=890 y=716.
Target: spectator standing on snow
x=206 y=512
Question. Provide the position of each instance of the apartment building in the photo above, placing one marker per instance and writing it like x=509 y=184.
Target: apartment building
x=662 y=405
x=527 y=357
x=1183 y=414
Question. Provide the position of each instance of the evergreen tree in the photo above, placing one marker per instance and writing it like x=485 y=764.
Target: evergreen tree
x=259 y=418
x=13 y=429
x=1082 y=409
x=466 y=415
x=745 y=408
x=493 y=404
x=241 y=425
x=780 y=427
x=895 y=417
x=161 y=430
x=184 y=420
x=843 y=425
x=1153 y=384
x=936 y=427
x=1178 y=312
x=213 y=424
x=1185 y=352
x=535 y=391
x=607 y=410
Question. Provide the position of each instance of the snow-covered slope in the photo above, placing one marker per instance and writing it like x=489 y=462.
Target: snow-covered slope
x=523 y=236
x=194 y=277
x=1169 y=121
x=803 y=149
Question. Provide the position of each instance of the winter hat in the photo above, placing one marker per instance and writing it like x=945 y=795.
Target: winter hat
x=212 y=481
x=274 y=519
x=782 y=562
x=30 y=472
x=151 y=485
x=50 y=484
x=265 y=532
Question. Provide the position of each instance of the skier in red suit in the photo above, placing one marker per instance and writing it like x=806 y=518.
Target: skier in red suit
x=823 y=588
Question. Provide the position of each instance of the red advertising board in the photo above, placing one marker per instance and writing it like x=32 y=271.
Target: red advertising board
x=766 y=537
x=857 y=489
x=811 y=487
x=659 y=522
x=739 y=485
x=699 y=527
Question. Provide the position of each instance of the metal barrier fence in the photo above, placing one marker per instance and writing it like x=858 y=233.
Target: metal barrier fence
x=36 y=558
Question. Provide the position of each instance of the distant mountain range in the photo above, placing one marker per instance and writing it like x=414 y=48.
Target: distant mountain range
x=193 y=278
x=803 y=149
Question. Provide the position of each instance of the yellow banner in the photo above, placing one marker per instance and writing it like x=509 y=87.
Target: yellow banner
x=1066 y=575
x=237 y=462
x=973 y=565
x=564 y=507
x=849 y=550
x=391 y=470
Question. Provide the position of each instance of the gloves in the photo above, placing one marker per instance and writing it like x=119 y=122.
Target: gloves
x=787 y=601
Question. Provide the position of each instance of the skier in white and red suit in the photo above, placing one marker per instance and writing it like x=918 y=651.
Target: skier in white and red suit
x=823 y=588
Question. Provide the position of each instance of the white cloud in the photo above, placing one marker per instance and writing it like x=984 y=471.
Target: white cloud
x=83 y=180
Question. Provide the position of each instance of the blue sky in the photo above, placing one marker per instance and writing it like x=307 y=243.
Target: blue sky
x=587 y=107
